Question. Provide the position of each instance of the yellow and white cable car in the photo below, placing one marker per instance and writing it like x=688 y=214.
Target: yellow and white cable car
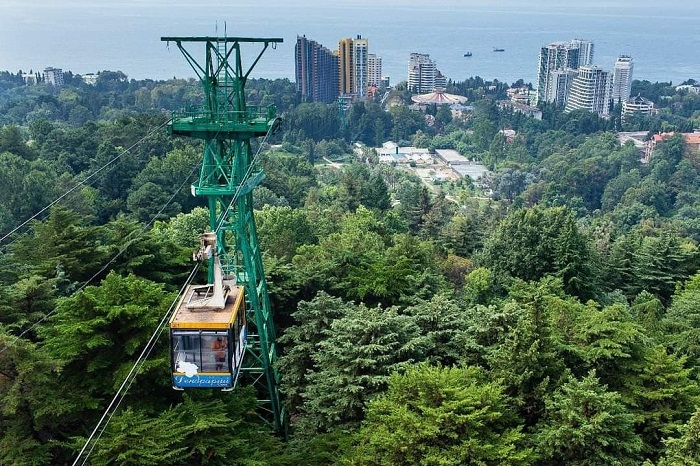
x=208 y=330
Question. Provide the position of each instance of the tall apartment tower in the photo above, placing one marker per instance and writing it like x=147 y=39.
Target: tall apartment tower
x=374 y=70
x=53 y=76
x=353 y=66
x=361 y=52
x=622 y=79
x=585 y=51
x=421 y=73
x=346 y=75
x=590 y=90
x=440 y=80
x=558 y=85
x=554 y=56
x=316 y=71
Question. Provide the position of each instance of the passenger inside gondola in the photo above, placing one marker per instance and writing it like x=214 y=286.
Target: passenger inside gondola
x=209 y=353
x=219 y=348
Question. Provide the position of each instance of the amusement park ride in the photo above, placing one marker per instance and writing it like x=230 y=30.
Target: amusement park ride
x=222 y=332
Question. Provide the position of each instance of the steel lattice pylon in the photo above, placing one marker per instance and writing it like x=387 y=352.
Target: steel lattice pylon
x=227 y=178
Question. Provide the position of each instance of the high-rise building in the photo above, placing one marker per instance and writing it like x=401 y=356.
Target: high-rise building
x=554 y=56
x=585 y=51
x=422 y=72
x=590 y=90
x=361 y=56
x=558 y=56
x=374 y=70
x=353 y=65
x=316 y=71
x=346 y=74
x=53 y=76
x=622 y=79
x=559 y=85
x=440 y=80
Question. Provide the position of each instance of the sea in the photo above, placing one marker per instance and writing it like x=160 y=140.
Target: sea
x=88 y=36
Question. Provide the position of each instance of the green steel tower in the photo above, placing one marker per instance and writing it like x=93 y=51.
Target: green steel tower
x=228 y=175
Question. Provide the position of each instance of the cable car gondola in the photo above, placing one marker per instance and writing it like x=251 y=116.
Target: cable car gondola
x=208 y=330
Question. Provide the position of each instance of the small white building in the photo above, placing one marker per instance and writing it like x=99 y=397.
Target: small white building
x=637 y=105
x=390 y=152
x=694 y=89
x=29 y=78
x=90 y=78
x=520 y=95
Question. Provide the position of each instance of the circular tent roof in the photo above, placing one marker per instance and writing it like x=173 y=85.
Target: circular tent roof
x=439 y=97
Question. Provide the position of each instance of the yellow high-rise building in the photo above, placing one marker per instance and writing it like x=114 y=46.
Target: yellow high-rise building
x=346 y=78
x=352 y=66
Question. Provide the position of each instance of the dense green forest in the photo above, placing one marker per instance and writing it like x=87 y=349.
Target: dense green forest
x=548 y=315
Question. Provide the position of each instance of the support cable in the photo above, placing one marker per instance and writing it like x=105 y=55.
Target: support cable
x=115 y=257
x=81 y=183
x=123 y=388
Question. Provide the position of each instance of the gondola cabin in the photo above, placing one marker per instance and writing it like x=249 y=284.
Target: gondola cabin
x=207 y=343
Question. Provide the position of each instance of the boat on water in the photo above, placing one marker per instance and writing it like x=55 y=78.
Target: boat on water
x=468 y=54
x=496 y=49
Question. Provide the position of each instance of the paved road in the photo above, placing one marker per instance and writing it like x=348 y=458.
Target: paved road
x=332 y=163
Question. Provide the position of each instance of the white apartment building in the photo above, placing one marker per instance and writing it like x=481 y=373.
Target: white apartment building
x=440 y=80
x=30 y=78
x=361 y=56
x=622 y=79
x=90 y=78
x=554 y=56
x=53 y=76
x=638 y=105
x=590 y=90
x=421 y=73
x=374 y=70
x=694 y=89
x=585 y=51
x=559 y=85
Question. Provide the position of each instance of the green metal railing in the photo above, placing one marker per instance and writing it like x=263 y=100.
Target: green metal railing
x=252 y=113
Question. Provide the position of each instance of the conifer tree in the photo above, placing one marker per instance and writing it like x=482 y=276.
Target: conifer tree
x=661 y=396
x=587 y=425
x=353 y=363
x=684 y=450
x=682 y=323
x=313 y=320
x=447 y=416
